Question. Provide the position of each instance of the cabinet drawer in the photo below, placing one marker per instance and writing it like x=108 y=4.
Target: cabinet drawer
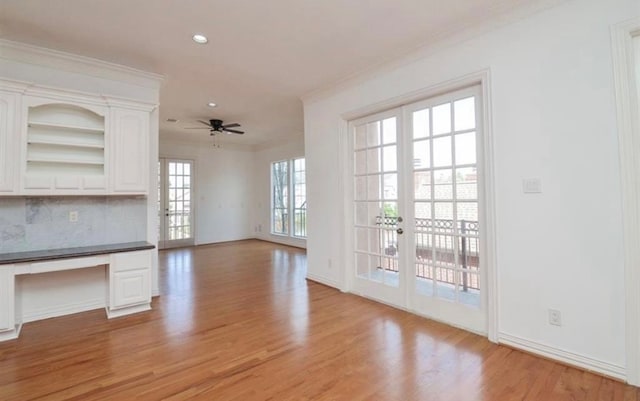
x=98 y=182
x=70 y=182
x=38 y=182
x=126 y=261
x=66 y=264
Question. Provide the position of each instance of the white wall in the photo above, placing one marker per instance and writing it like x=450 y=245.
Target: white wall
x=553 y=118
x=283 y=150
x=223 y=189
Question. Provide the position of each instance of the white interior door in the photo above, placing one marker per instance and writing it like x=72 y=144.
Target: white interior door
x=417 y=221
x=175 y=194
x=378 y=249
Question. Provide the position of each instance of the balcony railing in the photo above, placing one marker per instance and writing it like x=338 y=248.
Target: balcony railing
x=435 y=250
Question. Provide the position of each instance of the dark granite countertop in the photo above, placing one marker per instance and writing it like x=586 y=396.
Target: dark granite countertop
x=50 y=254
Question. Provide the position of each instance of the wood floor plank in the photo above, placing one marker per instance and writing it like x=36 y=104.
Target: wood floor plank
x=238 y=321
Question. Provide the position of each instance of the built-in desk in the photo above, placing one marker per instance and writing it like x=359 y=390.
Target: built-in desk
x=128 y=274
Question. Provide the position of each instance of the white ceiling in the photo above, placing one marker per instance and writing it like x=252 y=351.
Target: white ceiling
x=262 y=56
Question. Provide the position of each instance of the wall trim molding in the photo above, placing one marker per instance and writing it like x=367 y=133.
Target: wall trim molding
x=566 y=357
x=64 y=309
x=323 y=280
x=628 y=119
x=282 y=240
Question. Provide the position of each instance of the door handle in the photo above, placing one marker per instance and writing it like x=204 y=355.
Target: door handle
x=399 y=230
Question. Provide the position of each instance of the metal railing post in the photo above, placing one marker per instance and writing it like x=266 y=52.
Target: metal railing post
x=463 y=230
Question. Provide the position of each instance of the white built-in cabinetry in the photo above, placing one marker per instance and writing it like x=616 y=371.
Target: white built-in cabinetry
x=9 y=141
x=128 y=277
x=129 y=282
x=64 y=146
x=7 y=308
x=57 y=142
x=130 y=153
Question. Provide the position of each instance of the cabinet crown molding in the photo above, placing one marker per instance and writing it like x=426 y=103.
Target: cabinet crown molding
x=31 y=54
x=67 y=95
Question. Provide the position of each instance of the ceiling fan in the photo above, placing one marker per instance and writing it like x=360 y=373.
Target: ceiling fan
x=216 y=126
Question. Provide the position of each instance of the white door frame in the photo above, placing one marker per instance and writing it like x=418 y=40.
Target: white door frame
x=628 y=116
x=483 y=79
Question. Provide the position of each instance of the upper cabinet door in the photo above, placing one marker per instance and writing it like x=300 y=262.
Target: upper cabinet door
x=129 y=135
x=9 y=142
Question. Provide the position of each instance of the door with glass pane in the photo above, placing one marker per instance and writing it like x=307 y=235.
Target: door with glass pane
x=377 y=234
x=446 y=280
x=416 y=208
x=175 y=194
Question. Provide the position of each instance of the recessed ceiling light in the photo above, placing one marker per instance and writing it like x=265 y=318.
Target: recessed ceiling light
x=211 y=104
x=200 y=39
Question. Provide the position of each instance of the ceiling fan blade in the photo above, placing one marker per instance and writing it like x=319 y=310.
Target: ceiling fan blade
x=232 y=125
x=234 y=131
x=205 y=123
x=197 y=127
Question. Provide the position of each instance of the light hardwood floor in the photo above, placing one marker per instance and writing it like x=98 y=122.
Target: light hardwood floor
x=238 y=321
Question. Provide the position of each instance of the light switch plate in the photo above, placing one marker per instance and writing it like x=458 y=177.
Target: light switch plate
x=531 y=185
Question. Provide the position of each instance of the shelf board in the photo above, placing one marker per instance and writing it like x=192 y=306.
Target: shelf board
x=64 y=143
x=41 y=124
x=64 y=161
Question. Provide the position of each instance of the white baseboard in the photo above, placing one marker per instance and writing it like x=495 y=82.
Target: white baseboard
x=283 y=240
x=569 y=358
x=61 y=310
x=12 y=334
x=324 y=280
x=127 y=311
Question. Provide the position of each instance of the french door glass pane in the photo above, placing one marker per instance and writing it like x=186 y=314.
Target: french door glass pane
x=179 y=192
x=174 y=201
x=375 y=183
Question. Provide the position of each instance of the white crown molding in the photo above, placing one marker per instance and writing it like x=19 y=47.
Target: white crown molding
x=432 y=44
x=565 y=357
x=31 y=54
x=628 y=118
x=277 y=142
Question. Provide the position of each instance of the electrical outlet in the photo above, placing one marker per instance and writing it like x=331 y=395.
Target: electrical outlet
x=555 y=317
x=73 y=216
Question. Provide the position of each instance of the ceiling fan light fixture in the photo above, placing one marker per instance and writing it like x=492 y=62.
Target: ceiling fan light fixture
x=211 y=104
x=200 y=39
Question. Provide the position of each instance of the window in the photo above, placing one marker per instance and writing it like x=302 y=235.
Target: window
x=299 y=199
x=280 y=190
x=289 y=213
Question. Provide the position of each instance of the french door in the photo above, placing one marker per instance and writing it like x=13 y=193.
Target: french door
x=379 y=256
x=175 y=207
x=417 y=197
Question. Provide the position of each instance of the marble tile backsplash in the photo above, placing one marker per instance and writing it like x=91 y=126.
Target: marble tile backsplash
x=36 y=223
